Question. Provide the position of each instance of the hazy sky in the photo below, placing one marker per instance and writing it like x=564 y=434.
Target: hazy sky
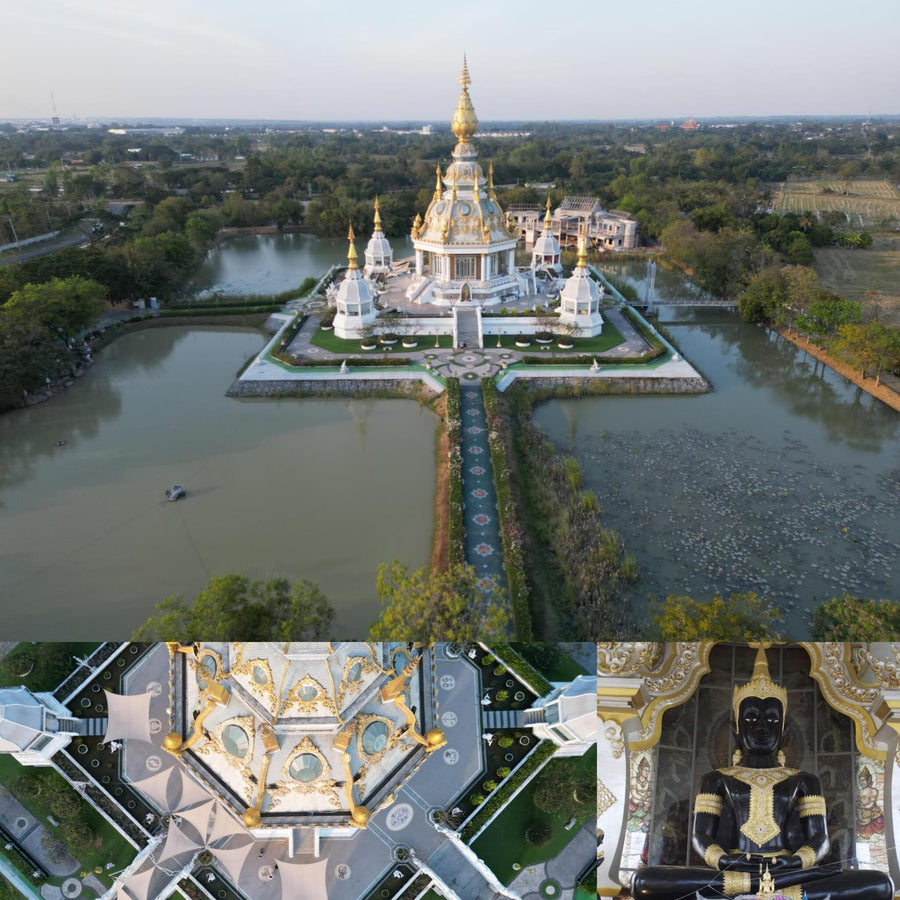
x=398 y=59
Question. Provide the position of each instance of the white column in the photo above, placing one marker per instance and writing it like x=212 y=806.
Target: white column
x=420 y=261
x=511 y=261
x=485 y=267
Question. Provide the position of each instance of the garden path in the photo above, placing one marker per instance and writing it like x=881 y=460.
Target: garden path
x=481 y=522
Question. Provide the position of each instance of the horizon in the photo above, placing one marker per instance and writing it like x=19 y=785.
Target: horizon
x=698 y=61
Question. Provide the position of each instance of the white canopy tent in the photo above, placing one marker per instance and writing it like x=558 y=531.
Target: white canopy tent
x=137 y=886
x=303 y=881
x=177 y=843
x=128 y=717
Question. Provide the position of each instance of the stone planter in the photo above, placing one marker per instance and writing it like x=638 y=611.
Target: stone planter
x=524 y=740
x=82 y=749
x=368 y=346
x=409 y=345
x=95 y=688
x=519 y=695
x=566 y=345
x=523 y=343
x=327 y=327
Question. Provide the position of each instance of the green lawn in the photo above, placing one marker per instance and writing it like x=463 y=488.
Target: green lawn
x=566 y=669
x=503 y=842
x=48 y=664
x=109 y=845
x=603 y=342
x=328 y=340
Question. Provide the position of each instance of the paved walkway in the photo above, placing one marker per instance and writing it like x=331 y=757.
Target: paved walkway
x=481 y=523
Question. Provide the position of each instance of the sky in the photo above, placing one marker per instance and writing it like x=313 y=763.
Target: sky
x=398 y=60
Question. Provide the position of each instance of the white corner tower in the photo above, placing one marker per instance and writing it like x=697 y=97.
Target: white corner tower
x=354 y=298
x=379 y=255
x=33 y=727
x=545 y=252
x=579 y=300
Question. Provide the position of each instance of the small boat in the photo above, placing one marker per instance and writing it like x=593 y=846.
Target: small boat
x=176 y=492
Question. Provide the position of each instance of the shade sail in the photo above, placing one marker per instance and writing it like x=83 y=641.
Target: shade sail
x=129 y=717
x=177 y=843
x=137 y=886
x=232 y=860
x=303 y=881
x=225 y=826
x=191 y=792
x=161 y=788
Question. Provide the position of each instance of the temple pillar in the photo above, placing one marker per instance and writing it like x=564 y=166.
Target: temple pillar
x=420 y=261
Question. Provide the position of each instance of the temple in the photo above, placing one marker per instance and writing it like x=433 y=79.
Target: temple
x=465 y=249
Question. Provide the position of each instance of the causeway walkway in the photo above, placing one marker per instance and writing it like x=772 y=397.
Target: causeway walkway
x=481 y=523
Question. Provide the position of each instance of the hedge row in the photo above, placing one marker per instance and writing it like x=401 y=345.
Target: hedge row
x=511 y=531
x=643 y=329
x=219 y=310
x=353 y=362
x=506 y=654
x=456 y=549
x=500 y=797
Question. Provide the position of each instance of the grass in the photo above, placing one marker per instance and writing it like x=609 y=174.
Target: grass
x=109 y=845
x=53 y=663
x=600 y=344
x=503 y=843
x=853 y=273
x=328 y=340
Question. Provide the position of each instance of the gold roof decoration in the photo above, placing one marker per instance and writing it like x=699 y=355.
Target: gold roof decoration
x=581 y=262
x=377 y=216
x=464 y=123
x=351 y=253
x=306 y=731
x=760 y=686
x=547 y=217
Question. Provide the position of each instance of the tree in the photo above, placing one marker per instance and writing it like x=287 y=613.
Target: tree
x=743 y=617
x=446 y=606
x=854 y=619
x=273 y=609
x=565 y=788
x=69 y=305
x=764 y=297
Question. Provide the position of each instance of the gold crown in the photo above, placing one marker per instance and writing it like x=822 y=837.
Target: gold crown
x=759 y=686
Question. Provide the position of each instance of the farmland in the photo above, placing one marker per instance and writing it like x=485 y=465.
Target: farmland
x=864 y=203
x=853 y=273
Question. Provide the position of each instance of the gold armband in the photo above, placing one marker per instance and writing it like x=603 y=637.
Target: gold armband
x=708 y=803
x=813 y=805
x=807 y=857
x=712 y=856
x=794 y=892
x=734 y=883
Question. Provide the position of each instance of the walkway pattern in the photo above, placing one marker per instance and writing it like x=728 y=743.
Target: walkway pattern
x=481 y=523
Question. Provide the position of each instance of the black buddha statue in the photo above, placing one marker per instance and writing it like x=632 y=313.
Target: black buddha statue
x=758 y=822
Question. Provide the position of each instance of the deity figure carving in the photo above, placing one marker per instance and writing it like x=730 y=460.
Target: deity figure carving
x=759 y=823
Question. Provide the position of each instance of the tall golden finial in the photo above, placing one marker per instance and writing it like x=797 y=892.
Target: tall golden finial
x=582 y=247
x=437 y=184
x=491 y=180
x=547 y=217
x=464 y=122
x=351 y=253
x=377 y=216
x=453 y=195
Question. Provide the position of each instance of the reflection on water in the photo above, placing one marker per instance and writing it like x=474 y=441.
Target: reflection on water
x=318 y=489
x=272 y=263
x=784 y=480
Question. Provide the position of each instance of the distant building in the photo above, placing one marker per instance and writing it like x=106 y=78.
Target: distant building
x=606 y=229
x=690 y=125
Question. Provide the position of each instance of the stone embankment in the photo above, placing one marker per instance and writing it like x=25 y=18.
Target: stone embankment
x=585 y=385
x=342 y=387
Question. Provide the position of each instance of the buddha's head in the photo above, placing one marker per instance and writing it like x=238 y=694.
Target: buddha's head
x=759 y=709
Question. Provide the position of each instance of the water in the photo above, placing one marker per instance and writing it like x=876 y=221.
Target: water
x=784 y=480
x=272 y=263
x=317 y=489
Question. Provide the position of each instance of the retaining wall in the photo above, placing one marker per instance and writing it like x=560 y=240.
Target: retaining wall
x=344 y=387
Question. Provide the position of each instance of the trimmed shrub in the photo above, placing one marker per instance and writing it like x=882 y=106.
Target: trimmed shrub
x=538 y=833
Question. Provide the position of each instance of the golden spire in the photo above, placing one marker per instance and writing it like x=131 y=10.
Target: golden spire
x=351 y=253
x=491 y=193
x=464 y=122
x=453 y=195
x=437 y=184
x=760 y=685
x=377 y=216
x=547 y=217
x=582 y=248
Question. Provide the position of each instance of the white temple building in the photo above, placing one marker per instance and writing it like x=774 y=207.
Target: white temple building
x=568 y=716
x=545 y=252
x=465 y=250
x=579 y=300
x=379 y=254
x=34 y=726
x=354 y=298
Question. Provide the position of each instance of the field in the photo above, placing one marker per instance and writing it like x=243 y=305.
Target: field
x=865 y=203
x=853 y=273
